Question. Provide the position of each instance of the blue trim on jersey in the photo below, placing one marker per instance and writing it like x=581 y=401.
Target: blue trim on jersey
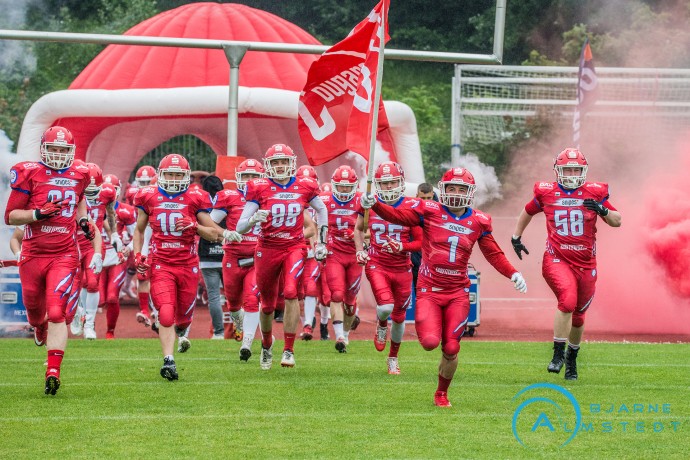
x=254 y=201
x=467 y=213
x=116 y=205
x=402 y=198
x=21 y=190
x=341 y=203
x=60 y=171
x=208 y=210
x=567 y=190
x=163 y=192
x=537 y=203
x=142 y=208
x=483 y=235
x=290 y=182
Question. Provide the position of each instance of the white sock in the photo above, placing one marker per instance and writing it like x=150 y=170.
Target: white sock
x=170 y=357
x=397 y=331
x=325 y=313
x=384 y=311
x=338 y=329
x=309 y=309
x=90 y=308
x=251 y=323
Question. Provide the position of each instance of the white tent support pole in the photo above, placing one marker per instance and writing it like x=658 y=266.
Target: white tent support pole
x=499 y=30
x=234 y=54
x=456 y=119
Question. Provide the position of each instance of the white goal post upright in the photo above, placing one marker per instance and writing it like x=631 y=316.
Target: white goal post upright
x=491 y=102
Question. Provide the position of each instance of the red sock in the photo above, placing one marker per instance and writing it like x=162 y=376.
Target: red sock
x=54 y=362
x=111 y=314
x=383 y=323
x=144 y=302
x=289 y=342
x=443 y=383
x=266 y=339
x=393 y=352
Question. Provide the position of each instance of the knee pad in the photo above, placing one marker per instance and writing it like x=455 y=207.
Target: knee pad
x=578 y=319
x=266 y=310
x=384 y=311
x=566 y=308
x=451 y=348
x=337 y=296
x=398 y=316
x=430 y=342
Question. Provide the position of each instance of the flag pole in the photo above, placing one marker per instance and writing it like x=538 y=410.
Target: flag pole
x=375 y=108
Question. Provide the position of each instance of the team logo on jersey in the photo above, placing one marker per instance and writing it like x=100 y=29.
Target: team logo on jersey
x=431 y=204
x=286 y=196
x=545 y=185
x=343 y=212
x=171 y=206
x=195 y=270
x=457 y=228
x=568 y=202
x=13 y=176
x=62 y=182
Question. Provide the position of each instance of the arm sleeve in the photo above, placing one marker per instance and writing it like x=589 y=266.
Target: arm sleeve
x=407 y=217
x=493 y=253
x=321 y=211
x=218 y=215
x=148 y=233
x=17 y=200
x=415 y=244
x=243 y=225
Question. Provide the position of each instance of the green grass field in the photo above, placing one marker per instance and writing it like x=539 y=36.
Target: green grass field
x=113 y=403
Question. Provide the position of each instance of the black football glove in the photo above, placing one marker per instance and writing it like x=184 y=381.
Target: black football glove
x=597 y=207
x=518 y=246
x=87 y=228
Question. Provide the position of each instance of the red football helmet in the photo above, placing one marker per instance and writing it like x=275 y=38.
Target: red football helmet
x=114 y=181
x=54 y=138
x=279 y=152
x=144 y=175
x=570 y=158
x=95 y=180
x=174 y=163
x=457 y=176
x=307 y=171
x=326 y=187
x=386 y=173
x=246 y=171
x=344 y=176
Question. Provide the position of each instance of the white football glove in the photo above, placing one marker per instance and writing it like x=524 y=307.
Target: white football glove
x=320 y=252
x=116 y=241
x=259 y=216
x=519 y=281
x=96 y=263
x=392 y=246
x=368 y=200
x=231 y=236
x=362 y=257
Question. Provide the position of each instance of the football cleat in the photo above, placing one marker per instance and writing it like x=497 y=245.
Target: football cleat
x=441 y=399
x=110 y=335
x=393 y=368
x=571 y=364
x=52 y=384
x=266 y=357
x=341 y=345
x=169 y=370
x=558 y=358
x=246 y=349
x=143 y=318
x=89 y=333
x=183 y=344
x=41 y=334
x=288 y=359
x=381 y=337
x=77 y=324
x=307 y=332
x=323 y=329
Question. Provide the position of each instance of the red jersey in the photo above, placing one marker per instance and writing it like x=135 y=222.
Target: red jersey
x=169 y=246
x=98 y=213
x=570 y=227
x=54 y=235
x=286 y=204
x=232 y=202
x=382 y=231
x=126 y=216
x=342 y=218
x=448 y=241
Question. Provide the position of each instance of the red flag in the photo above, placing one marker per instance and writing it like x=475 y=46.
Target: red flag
x=335 y=107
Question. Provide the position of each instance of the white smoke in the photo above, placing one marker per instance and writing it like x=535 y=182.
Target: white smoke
x=488 y=185
x=17 y=61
